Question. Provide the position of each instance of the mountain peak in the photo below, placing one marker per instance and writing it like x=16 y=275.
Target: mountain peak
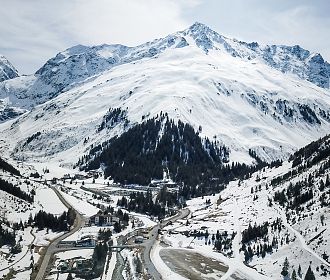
x=7 y=70
x=199 y=28
x=76 y=49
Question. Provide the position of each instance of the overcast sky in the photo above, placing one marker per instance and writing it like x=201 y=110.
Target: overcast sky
x=33 y=31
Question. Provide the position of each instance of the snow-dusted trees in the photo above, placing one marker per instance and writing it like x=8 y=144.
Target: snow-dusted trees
x=6 y=237
x=309 y=274
x=255 y=231
x=46 y=220
x=15 y=191
x=294 y=275
x=285 y=268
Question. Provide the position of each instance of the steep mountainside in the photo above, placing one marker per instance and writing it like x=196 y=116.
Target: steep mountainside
x=244 y=96
x=7 y=70
x=275 y=214
x=79 y=63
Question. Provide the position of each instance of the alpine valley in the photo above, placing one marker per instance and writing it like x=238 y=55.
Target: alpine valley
x=217 y=149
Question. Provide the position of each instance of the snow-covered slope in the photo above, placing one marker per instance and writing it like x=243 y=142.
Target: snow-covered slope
x=7 y=70
x=290 y=202
x=79 y=63
x=74 y=65
x=232 y=90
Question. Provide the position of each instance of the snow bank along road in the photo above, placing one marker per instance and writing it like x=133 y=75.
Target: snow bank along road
x=52 y=247
x=152 y=271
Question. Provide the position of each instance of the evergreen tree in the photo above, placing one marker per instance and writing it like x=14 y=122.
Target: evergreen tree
x=299 y=271
x=294 y=275
x=117 y=227
x=285 y=269
x=309 y=274
x=69 y=277
x=138 y=265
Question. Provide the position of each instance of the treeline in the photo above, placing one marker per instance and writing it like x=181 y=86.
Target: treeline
x=15 y=191
x=297 y=193
x=312 y=153
x=254 y=232
x=299 y=169
x=197 y=165
x=306 y=157
x=223 y=241
x=258 y=234
x=112 y=118
x=142 y=203
x=259 y=161
x=7 y=237
x=214 y=180
x=46 y=220
x=8 y=167
x=141 y=153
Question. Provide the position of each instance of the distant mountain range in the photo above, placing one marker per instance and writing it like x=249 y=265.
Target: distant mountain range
x=271 y=99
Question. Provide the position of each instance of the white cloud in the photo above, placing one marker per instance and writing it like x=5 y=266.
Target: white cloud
x=126 y=22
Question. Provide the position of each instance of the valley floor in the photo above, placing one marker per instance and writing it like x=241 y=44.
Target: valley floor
x=185 y=248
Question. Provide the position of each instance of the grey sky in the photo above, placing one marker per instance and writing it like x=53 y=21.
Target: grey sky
x=33 y=31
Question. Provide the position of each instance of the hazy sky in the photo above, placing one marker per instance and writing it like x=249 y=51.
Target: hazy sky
x=33 y=31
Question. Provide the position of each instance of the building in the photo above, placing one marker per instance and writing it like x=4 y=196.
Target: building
x=101 y=219
x=86 y=241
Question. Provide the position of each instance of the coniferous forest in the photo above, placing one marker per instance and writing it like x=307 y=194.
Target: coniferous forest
x=6 y=237
x=4 y=165
x=15 y=191
x=145 y=150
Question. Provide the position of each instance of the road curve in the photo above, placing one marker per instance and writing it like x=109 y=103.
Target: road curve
x=52 y=247
x=11 y=265
x=151 y=269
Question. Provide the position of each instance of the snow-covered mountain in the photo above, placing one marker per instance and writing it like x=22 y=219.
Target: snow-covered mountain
x=277 y=213
x=272 y=99
x=7 y=70
x=79 y=63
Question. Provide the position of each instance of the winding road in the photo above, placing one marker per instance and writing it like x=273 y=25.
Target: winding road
x=27 y=251
x=150 y=267
x=52 y=247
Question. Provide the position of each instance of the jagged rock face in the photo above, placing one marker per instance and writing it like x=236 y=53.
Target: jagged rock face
x=7 y=70
x=74 y=65
x=296 y=60
x=288 y=59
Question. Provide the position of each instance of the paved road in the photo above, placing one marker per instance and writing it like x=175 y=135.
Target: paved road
x=152 y=271
x=52 y=247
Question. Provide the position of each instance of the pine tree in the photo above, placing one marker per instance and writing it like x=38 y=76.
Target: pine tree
x=294 y=275
x=299 y=271
x=69 y=277
x=309 y=274
x=117 y=227
x=138 y=265
x=285 y=269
